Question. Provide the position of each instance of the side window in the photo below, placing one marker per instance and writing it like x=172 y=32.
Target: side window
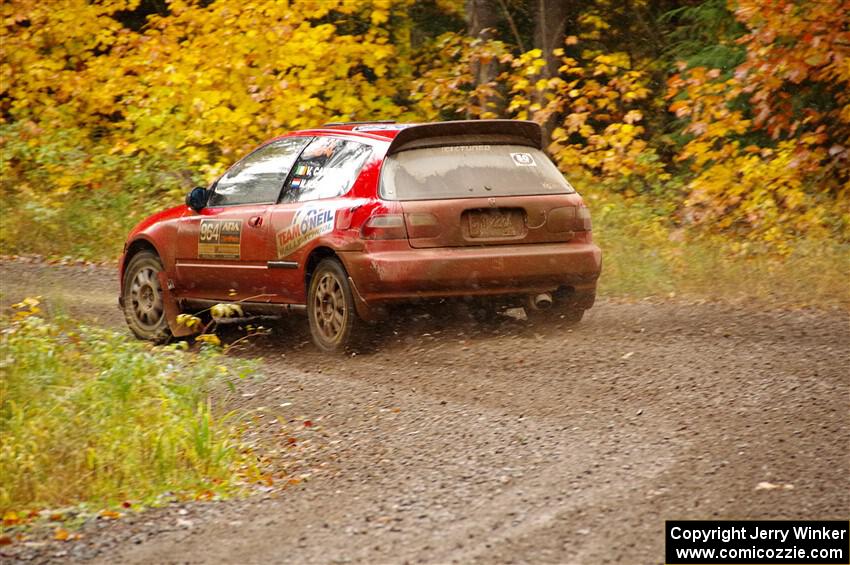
x=258 y=177
x=327 y=168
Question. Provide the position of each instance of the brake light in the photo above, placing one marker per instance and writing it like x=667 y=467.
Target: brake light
x=583 y=215
x=568 y=219
x=422 y=225
x=387 y=226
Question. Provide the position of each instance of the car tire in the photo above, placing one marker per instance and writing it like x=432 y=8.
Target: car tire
x=571 y=315
x=334 y=323
x=144 y=303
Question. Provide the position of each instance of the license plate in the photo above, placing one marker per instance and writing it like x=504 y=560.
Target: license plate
x=495 y=223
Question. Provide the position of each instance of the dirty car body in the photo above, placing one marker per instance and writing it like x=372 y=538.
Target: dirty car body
x=345 y=220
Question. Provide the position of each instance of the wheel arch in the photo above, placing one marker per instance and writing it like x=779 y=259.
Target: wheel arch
x=316 y=256
x=321 y=252
x=133 y=249
x=172 y=307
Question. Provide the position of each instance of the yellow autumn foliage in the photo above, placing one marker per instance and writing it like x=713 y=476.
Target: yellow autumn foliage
x=101 y=122
x=204 y=83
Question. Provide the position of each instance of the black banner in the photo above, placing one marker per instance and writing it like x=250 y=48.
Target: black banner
x=768 y=542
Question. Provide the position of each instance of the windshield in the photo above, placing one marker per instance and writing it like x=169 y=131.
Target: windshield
x=470 y=171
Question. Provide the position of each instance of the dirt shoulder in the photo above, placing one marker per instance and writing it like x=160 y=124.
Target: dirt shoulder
x=516 y=442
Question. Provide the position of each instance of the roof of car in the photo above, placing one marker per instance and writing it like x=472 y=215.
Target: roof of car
x=383 y=129
x=403 y=135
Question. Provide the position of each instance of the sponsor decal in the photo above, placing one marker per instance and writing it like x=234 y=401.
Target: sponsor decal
x=523 y=160
x=220 y=239
x=302 y=170
x=296 y=182
x=306 y=225
x=382 y=127
x=462 y=148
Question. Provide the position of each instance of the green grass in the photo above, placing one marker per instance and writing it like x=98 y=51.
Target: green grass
x=91 y=227
x=88 y=416
x=642 y=257
x=104 y=193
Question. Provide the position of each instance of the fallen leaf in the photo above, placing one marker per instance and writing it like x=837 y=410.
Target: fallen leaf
x=61 y=534
x=308 y=424
x=206 y=495
x=209 y=338
x=10 y=518
x=109 y=515
x=764 y=485
x=56 y=517
x=5 y=540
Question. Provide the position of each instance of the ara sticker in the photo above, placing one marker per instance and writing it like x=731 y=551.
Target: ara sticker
x=307 y=224
x=220 y=239
x=523 y=160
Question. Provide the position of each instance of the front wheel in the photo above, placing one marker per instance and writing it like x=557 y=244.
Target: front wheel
x=144 y=305
x=330 y=307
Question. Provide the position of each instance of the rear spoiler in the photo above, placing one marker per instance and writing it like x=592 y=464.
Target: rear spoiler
x=468 y=132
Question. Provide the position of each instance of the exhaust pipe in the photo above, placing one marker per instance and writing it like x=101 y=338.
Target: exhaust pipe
x=542 y=301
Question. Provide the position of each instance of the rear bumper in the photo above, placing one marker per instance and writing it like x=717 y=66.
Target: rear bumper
x=397 y=275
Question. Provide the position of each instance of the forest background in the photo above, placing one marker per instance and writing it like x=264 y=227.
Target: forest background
x=711 y=138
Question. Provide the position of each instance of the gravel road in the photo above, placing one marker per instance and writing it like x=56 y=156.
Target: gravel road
x=518 y=442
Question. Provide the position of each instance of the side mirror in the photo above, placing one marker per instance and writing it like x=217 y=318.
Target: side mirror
x=197 y=198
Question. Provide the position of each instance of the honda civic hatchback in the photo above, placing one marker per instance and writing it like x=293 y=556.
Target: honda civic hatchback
x=342 y=221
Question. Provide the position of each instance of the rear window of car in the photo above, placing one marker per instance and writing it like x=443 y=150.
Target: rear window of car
x=470 y=171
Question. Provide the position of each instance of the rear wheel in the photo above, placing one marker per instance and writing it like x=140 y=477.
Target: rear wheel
x=330 y=307
x=144 y=305
x=570 y=314
x=569 y=307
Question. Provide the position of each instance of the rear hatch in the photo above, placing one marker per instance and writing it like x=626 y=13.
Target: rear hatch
x=474 y=192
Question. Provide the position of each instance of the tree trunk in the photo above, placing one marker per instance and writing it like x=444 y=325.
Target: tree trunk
x=550 y=24
x=482 y=17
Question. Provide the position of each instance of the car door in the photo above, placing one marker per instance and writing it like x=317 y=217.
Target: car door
x=222 y=251
x=325 y=171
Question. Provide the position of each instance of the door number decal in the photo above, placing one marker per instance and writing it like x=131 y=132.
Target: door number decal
x=220 y=239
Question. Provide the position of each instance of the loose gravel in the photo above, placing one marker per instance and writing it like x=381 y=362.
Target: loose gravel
x=520 y=441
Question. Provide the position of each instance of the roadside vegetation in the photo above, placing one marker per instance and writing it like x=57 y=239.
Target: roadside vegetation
x=645 y=257
x=88 y=416
x=712 y=137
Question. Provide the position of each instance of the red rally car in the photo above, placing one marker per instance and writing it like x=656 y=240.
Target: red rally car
x=344 y=220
